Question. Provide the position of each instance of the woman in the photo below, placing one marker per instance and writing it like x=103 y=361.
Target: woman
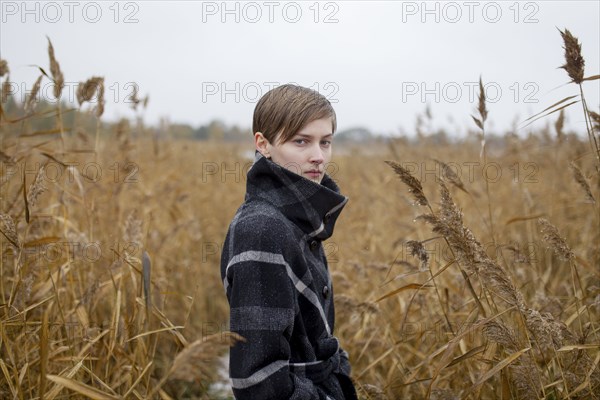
x=273 y=265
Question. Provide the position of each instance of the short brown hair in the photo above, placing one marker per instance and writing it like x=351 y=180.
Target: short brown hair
x=283 y=111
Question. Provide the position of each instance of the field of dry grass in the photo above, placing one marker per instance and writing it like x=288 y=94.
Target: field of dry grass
x=460 y=271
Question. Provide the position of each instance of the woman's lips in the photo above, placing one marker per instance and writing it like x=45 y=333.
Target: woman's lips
x=313 y=174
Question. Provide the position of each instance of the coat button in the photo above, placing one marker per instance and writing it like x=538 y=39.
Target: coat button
x=313 y=244
x=325 y=291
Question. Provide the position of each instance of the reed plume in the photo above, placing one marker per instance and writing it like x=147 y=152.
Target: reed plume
x=574 y=65
x=418 y=250
x=449 y=175
x=481 y=107
x=8 y=229
x=57 y=75
x=449 y=223
x=3 y=67
x=32 y=99
x=5 y=90
x=414 y=185
x=36 y=188
x=499 y=332
x=583 y=183
x=574 y=62
x=132 y=232
x=552 y=236
x=86 y=91
x=595 y=117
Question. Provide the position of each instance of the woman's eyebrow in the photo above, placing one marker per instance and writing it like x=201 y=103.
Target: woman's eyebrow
x=304 y=135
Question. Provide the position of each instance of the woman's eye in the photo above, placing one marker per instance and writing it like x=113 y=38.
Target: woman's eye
x=326 y=143
x=300 y=141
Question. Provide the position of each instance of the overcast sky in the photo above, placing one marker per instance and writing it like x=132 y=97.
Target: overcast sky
x=379 y=62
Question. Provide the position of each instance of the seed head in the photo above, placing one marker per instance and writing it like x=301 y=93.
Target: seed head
x=575 y=63
x=3 y=67
x=414 y=185
x=57 y=75
x=552 y=236
x=32 y=100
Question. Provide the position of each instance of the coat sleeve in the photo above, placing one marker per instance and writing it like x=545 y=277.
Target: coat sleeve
x=262 y=310
x=344 y=362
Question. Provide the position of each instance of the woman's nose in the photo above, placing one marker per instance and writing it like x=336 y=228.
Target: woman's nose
x=316 y=156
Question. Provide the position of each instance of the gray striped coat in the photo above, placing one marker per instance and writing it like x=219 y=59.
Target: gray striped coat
x=277 y=282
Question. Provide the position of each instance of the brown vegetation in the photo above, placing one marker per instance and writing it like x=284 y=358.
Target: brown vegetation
x=473 y=275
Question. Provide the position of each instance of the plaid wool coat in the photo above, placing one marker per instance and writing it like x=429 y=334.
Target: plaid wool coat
x=279 y=289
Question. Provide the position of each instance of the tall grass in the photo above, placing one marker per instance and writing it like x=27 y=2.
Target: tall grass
x=105 y=280
x=477 y=277
x=504 y=337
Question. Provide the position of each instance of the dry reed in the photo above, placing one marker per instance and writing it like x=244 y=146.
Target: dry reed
x=486 y=314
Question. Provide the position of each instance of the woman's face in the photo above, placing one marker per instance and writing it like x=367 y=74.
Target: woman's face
x=307 y=153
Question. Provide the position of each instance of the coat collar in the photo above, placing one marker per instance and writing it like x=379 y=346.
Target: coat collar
x=313 y=207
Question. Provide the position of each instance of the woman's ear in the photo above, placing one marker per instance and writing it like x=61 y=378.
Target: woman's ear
x=262 y=144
